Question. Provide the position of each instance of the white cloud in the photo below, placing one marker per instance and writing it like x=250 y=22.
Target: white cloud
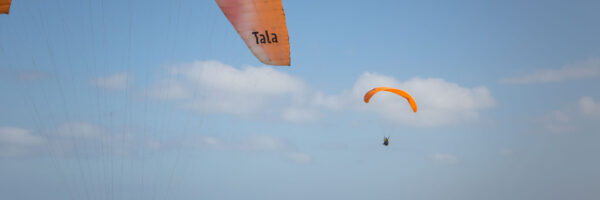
x=299 y=157
x=444 y=158
x=588 y=106
x=211 y=143
x=507 y=152
x=88 y=140
x=170 y=90
x=334 y=146
x=274 y=144
x=263 y=143
x=253 y=143
x=333 y=102
x=573 y=117
x=77 y=129
x=211 y=86
x=18 y=142
x=300 y=115
x=216 y=76
x=439 y=102
x=33 y=75
x=153 y=144
x=72 y=139
x=587 y=69
x=118 y=81
x=19 y=136
x=558 y=121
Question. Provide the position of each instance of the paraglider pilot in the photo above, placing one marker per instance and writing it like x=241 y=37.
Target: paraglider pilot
x=386 y=140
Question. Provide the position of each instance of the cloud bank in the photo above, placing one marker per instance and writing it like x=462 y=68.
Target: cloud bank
x=264 y=92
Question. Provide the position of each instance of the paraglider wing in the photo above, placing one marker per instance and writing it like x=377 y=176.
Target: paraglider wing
x=261 y=24
x=4 y=6
x=409 y=98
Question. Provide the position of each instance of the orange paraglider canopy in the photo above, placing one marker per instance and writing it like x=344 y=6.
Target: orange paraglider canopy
x=409 y=98
x=261 y=24
x=4 y=6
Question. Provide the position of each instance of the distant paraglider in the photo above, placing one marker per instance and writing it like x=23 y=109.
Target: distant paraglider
x=261 y=24
x=4 y=6
x=411 y=101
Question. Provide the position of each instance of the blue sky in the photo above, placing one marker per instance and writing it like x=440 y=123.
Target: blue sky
x=163 y=100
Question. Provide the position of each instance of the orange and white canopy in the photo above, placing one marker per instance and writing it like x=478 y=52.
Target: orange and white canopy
x=261 y=24
x=4 y=6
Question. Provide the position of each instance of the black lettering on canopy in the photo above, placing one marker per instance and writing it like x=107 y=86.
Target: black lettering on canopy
x=265 y=38
x=255 y=36
x=262 y=39
x=274 y=37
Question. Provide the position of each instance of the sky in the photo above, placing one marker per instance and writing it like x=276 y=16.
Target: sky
x=163 y=100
